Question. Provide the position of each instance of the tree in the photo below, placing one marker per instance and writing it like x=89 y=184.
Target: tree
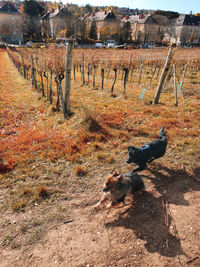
x=109 y=32
x=125 y=33
x=83 y=31
x=192 y=37
x=161 y=33
x=31 y=27
x=33 y=8
x=87 y=9
x=32 y=11
x=70 y=29
x=93 y=30
x=169 y=14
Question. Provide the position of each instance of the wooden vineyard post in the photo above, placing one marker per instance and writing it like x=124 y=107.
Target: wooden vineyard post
x=88 y=74
x=42 y=83
x=140 y=74
x=168 y=78
x=94 y=75
x=175 y=86
x=68 y=66
x=115 y=77
x=74 y=68
x=126 y=72
x=153 y=75
x=24 y=71
x=83 y=69
x=33 y=79
x=163 y=75
x=60 y=78
x=102 y=77
x=50 y=89
x=58 y=93
x=47 y=83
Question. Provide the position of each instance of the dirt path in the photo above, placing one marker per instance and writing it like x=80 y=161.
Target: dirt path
x=161 y=229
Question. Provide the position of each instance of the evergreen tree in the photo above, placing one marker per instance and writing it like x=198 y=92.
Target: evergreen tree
x=83 y=31
x=125 y=33
x=31 y=25
x=33 y=8
x=93 y=30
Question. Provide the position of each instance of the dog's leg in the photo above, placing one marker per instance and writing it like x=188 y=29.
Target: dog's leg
x=140 y=168
x=102 y=201
x=128 y=203
x=129 y=199
x=115 y=205
x=151 y=159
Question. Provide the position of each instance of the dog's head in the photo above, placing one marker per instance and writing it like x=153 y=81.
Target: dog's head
x=112 y=182
x=132 y=154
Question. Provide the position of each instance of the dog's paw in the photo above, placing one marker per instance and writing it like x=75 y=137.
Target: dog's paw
x=109 y=206
x=97 y=206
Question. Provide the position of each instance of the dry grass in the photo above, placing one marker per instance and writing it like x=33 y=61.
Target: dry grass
x=80 y=171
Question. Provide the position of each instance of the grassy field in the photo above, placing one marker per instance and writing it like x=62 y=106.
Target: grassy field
x=52 y=171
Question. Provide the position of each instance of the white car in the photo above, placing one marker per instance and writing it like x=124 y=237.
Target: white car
x=111 y=45
x=29 y=43
x=99 y=45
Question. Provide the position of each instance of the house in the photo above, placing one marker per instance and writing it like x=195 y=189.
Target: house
x=187 y=30
x=144 y=28
x=107 y=23
x=183 y=29
x=10 y=24
x=45 y=25
x=156 y=28
x=55 y=23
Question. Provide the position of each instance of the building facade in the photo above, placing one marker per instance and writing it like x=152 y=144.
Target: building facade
x=54 y=22
x=107 y=24
x=144 y=28
x=187 y=30
x=10 y=24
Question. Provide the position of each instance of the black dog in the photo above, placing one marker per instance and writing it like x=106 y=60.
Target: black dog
x=142 y=156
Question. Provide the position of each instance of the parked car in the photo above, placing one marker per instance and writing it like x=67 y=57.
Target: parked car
x=122 y=46
x=29 y=43
x=111 y=45
x=99 y=45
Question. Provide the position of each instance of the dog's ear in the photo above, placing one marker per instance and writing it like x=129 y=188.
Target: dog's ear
x=131 y=148
x=119 y=178
x=114 y=173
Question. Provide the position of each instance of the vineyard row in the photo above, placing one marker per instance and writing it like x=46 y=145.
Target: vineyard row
x=49 y=65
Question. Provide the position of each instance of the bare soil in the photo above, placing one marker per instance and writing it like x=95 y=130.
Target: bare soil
x=161 y=229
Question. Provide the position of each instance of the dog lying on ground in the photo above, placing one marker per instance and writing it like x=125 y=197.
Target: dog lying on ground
x=146 y=154
x=118 y=189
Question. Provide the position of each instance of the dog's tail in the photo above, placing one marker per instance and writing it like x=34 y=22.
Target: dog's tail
x=162 y=134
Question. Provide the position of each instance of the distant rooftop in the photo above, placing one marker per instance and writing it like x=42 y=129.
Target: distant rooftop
x=60 y=12
x=105 y=15
x=192 y=20
x=9 y=8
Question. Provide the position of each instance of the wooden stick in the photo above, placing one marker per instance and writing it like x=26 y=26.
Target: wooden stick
x=68 y=66
x=175 y=86
x=163 y=75
x=83 y=69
